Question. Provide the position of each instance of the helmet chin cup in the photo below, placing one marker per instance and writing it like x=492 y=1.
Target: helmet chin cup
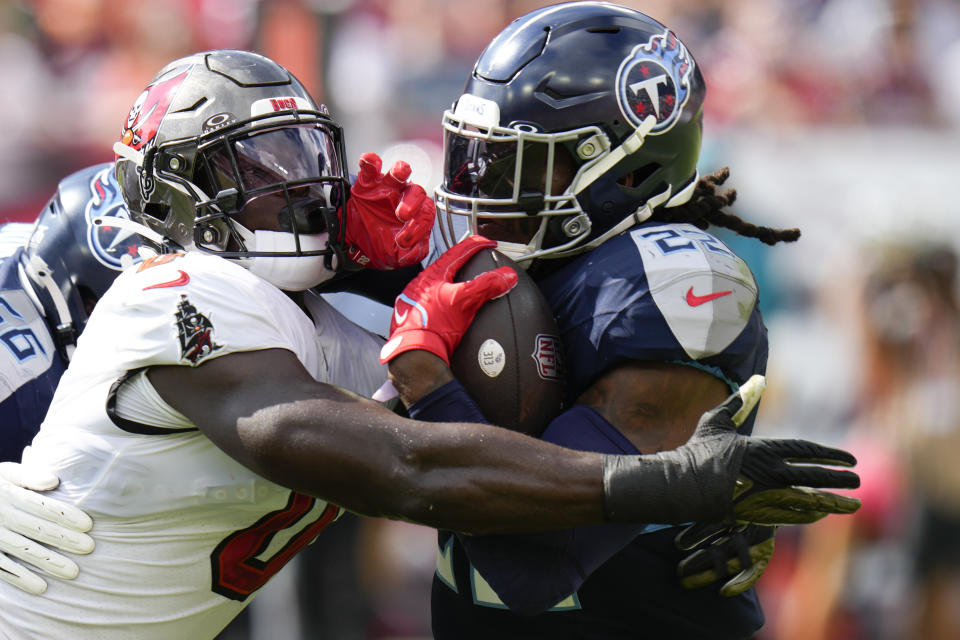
x=276 y=257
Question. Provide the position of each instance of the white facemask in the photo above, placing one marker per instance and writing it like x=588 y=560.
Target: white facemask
x=517 y=250
x=293 y=273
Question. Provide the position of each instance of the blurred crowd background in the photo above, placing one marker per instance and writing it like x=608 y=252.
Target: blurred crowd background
x=841 y=117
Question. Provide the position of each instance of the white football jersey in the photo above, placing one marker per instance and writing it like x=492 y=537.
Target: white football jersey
x=349 y=354
x=184 y=534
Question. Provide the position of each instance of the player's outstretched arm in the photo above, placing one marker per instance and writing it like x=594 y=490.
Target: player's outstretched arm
x=28 y=518
x=715 y=466
x=728 y=477
x=263 y=409
x=267 y=412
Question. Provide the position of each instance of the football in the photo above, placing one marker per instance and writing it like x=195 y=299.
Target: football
x=509 y=360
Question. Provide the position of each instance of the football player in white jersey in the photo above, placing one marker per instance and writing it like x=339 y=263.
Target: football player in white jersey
x=194 y=424
x=53 y=271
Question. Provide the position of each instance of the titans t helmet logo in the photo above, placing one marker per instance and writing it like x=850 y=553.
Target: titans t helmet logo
x=654 y=80
x=113 y=247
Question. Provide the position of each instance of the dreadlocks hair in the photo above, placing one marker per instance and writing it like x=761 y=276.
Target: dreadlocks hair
x=705 y=209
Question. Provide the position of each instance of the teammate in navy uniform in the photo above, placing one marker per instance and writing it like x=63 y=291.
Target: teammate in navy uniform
x=49 y=282
x=575 y=144
x=29 y=360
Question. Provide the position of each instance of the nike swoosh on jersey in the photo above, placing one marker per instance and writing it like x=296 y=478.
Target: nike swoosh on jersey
x=400 y=317
x=176 y=282
x=695 y=301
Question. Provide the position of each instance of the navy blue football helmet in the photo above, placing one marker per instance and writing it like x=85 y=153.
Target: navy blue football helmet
x=579 y=119
x=70 y=259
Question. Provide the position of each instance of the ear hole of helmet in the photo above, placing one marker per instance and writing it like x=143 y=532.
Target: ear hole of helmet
x=88 y=297
x=155 y=210
x=637 y=177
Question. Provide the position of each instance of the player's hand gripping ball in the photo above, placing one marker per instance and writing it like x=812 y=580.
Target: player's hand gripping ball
x=510 y=359
x=433 y=312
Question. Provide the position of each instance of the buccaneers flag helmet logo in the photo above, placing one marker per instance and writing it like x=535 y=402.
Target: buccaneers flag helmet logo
x=147 y=112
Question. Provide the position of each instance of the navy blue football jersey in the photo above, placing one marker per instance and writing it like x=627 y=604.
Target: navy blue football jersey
x=30 y=366
x=660 y=292
x=30 y=363
x=663 y=293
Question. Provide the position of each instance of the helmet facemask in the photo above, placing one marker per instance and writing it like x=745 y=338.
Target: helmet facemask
x=495 y=174
x=263 y=191
x=500 y=173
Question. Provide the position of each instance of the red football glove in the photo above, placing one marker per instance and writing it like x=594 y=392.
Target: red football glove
x=388 y=220
x=434 y=312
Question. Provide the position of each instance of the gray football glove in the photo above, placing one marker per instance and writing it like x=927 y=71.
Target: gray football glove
x=737 y=555
x=725 y=477
x=28 y=518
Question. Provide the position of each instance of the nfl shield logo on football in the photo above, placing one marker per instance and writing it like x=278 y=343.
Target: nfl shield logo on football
x=546 y=354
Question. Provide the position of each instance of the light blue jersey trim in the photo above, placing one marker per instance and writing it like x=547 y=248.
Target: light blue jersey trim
x=714 y=371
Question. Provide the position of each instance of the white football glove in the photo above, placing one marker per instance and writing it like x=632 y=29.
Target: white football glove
x=28 y=518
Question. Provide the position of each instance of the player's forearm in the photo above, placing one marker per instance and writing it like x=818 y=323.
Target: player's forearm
x=481 y=479
x=415 y=374
x=459 y=476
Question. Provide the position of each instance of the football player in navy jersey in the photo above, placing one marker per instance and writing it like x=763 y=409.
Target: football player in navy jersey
x=50 y=282
x=575 y=145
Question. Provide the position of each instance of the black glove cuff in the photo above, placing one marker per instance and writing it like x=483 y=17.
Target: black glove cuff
x=655 y=489
x=693 y=483
x=630 y=485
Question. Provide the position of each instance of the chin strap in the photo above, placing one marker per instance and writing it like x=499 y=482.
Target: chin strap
x=642 y=214
x=64 y=329
x=630 y=145
x=128 y=152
